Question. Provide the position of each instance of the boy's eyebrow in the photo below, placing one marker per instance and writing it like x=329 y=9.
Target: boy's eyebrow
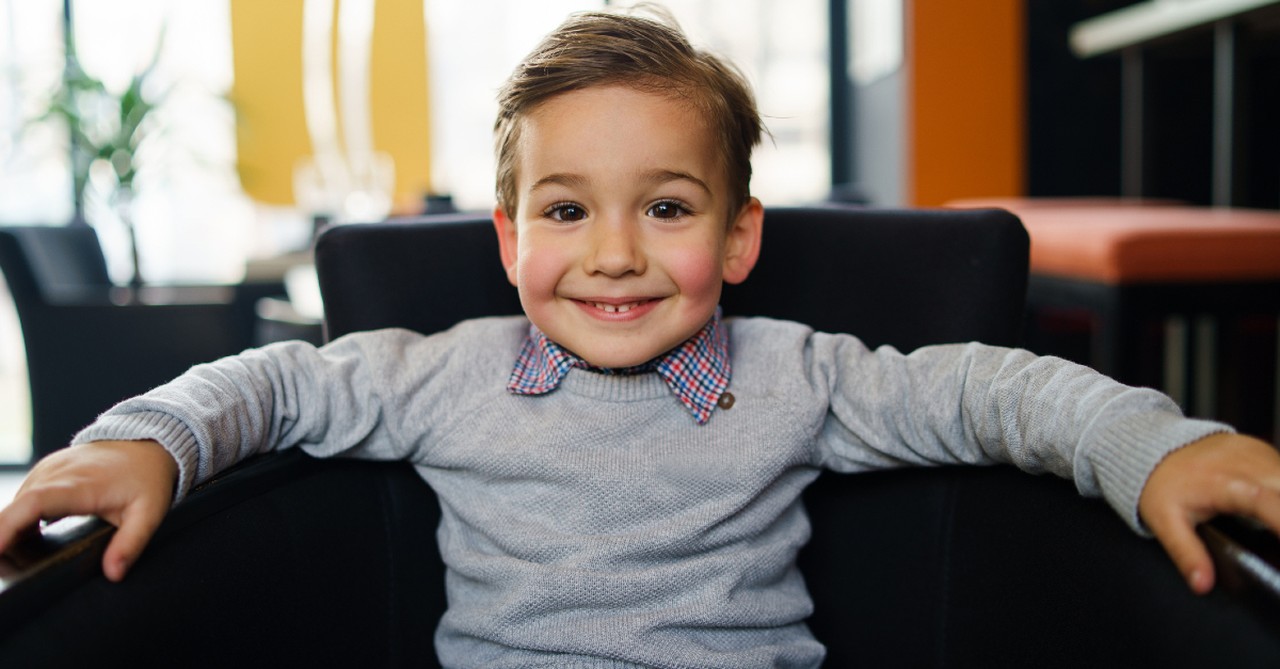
x=559 y=179
x=655 y=177
x=663 y=176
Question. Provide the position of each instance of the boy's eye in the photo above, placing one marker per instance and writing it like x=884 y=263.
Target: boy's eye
x=566 y=212
x=667 y=209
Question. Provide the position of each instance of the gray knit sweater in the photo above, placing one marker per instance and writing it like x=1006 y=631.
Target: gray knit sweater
x=599 y=525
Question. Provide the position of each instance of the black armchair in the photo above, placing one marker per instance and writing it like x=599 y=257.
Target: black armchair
x=90 y=344
x=332 y=561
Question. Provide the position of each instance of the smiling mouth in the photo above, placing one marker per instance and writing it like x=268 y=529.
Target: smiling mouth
x=615 y=308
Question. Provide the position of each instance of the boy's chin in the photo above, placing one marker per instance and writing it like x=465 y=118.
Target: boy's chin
x=617 y=360
x=620 y=350
x=620 y=356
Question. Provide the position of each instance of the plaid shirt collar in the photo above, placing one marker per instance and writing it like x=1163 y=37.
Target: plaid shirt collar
x=697 y=371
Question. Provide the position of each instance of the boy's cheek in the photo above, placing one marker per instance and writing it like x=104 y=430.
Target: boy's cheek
x=698 y=274
x=537 y=273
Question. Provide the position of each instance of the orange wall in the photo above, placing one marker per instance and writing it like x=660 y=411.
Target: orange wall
x=965 y=99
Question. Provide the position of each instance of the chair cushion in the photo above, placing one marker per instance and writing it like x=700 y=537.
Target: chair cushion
x=1113 y=242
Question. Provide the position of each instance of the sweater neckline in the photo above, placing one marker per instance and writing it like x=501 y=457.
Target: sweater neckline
x=615 y=387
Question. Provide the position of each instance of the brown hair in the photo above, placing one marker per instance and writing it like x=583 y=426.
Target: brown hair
x=650 y=55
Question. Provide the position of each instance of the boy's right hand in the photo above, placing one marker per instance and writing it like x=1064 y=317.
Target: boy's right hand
x=126 y=483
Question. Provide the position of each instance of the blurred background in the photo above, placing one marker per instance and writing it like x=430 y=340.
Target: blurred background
x=205 y=140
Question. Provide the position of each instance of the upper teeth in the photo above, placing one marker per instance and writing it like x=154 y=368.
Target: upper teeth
x=614 y=308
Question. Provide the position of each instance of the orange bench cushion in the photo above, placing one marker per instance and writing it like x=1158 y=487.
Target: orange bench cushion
x=1117 y=242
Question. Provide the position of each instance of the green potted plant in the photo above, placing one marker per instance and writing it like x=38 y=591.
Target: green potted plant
x=106 y=127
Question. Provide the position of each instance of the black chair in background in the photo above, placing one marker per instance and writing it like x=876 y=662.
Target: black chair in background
x=90 y=344
x=334 y=562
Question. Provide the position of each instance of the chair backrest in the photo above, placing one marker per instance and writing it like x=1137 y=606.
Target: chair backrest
x=42 y=263
x=905 y=277
x=901 y=277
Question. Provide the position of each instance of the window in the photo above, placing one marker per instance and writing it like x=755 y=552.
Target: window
x=780 y=45
x=194 y=222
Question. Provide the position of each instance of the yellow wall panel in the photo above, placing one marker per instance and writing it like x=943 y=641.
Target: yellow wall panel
x=398 y=88
x=271 y=131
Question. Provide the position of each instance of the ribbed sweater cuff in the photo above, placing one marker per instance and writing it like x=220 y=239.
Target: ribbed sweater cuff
x=1129 y=449
x=169 y=431
x=574 y=663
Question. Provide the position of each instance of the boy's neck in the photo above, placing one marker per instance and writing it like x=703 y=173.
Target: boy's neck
x=697 y=371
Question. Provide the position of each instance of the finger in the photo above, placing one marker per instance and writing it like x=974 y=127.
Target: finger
x=136 y=525
x=17 y=519
x=1188 y=553
x=1247 y=498
x=32 y=506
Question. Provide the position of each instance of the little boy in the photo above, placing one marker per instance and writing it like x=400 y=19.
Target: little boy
x=619 y=473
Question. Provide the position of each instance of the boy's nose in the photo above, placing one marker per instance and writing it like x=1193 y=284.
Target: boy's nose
x=615 y=249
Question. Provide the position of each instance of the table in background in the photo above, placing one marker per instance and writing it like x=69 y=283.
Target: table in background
x=1181 y=298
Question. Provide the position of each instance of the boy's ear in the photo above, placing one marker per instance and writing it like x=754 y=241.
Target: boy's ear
x=506 y=229
x=742 y=248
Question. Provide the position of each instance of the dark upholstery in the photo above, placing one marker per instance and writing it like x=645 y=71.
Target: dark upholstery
x=89 y=344
x=285 y=562
x=880 y=278
x=290 y=560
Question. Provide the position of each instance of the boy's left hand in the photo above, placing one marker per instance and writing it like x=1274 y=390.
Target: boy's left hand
x=1220 y=474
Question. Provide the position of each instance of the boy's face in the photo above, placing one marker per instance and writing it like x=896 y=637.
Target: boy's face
x=623 y=235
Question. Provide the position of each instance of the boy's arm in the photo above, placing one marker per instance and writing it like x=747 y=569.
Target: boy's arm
x=327 y=401
x=976 y=404
x=145 y=453
x=1162 y=472
x=128 y=484
x=1220 y=474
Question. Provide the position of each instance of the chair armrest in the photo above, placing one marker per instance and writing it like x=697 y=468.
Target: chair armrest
x=284 y=559
x=47 y=578
x=989 y=565
x=1246 y=557
x=45 y=565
